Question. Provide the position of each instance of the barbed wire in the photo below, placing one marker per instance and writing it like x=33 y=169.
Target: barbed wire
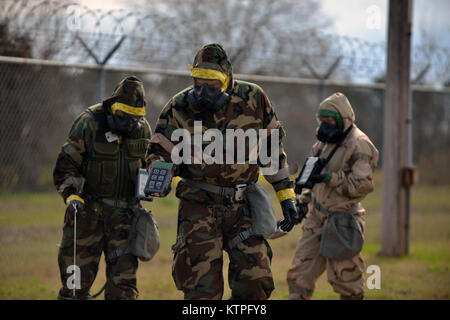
x=69 y=42
x=153 y=40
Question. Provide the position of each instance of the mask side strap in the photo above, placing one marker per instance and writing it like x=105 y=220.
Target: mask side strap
x=319 y=152
x=338 y=144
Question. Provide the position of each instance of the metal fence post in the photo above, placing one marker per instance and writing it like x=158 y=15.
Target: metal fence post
x=323 y=77
x=395 y=196
x=102 y=63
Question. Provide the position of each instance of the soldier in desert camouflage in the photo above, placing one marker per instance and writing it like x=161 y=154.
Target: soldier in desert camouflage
x=345 y=181
x=95 y=173
x=208 y=220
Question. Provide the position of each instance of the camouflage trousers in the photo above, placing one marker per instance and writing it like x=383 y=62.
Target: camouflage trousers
x=204 y=230
x=345 y=276
x=102 y=229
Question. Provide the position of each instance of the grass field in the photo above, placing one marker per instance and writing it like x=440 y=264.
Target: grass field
x=31 y=228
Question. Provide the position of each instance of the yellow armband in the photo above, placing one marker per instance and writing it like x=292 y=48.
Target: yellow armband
x=285 y=194
x=74 y=197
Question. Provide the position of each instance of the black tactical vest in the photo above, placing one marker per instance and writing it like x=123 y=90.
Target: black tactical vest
x=111 y=168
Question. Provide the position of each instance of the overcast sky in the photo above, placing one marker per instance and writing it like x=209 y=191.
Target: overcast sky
x=366 y=19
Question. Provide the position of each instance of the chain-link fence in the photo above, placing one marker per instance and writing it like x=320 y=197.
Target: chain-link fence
x=40 y=99
x=297 y=66
x=153 y=37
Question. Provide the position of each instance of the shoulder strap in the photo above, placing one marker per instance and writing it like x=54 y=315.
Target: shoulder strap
x=338 y=144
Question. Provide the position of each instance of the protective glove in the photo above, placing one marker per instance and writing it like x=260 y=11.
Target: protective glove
x=75 y=205
x=290 y=214
x=318 y=178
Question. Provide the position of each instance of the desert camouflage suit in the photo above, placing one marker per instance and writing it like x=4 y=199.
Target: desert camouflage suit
x=99 y=171
x=351 y=170
x=207 y=221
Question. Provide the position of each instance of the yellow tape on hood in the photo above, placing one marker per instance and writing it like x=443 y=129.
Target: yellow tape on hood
x=210 y=74
x=127 y=109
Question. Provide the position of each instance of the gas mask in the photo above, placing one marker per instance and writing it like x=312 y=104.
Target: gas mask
x=328 y=133
x=125 y=126
x=207 y=98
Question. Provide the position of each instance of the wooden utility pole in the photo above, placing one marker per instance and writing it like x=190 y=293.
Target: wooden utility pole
x=396 y=175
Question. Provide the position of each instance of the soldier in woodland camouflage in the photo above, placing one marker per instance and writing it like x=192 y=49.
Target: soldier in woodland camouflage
x=207 y=221
x=96 y=173
x=345 y=181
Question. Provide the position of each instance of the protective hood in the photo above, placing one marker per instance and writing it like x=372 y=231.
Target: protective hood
x=339 y=103
x=211 y=62
x=128 y=96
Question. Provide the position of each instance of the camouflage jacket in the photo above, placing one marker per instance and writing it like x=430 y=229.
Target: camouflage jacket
x=247 y=108
x=89 y=164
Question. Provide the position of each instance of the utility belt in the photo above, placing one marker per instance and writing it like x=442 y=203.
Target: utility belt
x=260 y=205
x=237 y=192
x=91 y=196
x=118 y=203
